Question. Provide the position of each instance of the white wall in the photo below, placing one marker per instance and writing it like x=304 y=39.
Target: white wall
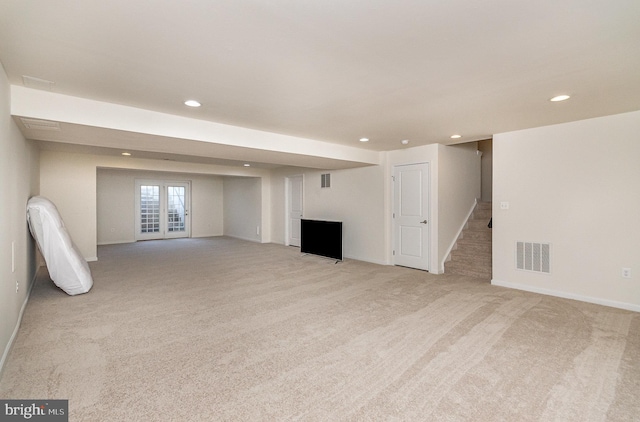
x=458 y=190
x=423 y=154
x=207 y=206
x=168 y=133
x=454 y=185
x=70 y=181
x=361 y=198
x=18 y=182
x=356 y=197
x=115 y=206
x=278 y=201
x=243 y=208
x=577 y=186
x=116 y=203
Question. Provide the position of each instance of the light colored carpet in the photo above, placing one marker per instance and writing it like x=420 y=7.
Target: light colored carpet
x=220 y=329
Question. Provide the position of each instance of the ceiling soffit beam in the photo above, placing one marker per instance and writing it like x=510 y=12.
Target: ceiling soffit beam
x=36 y=104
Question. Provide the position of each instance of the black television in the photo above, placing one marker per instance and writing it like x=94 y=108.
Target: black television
x=320 y=237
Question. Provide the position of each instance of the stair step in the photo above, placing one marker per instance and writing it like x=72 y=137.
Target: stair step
x=463 y=254
x=481 y=214
x=483 y=242
x=483 y=264
x=480 y=224
x=467 y=270
x=478 y=235
x=472 y=256
x=480 y=258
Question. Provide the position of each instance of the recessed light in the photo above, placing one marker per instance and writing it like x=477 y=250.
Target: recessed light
x=404 y=141
x=247 y=165
x=456 y=136
x=364 y=139
x=560 y=98
x=126 y=154
x=192 y=103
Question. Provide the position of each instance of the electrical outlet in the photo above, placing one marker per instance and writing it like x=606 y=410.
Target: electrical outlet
x=504 y=205
x=626 y=273
x=17 y=286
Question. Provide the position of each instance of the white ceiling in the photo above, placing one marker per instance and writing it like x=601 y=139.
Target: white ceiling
x=337 y=71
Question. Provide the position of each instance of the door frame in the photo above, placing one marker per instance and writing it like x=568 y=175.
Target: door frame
x=287 y=204
x=394 y=206
x=163 y=183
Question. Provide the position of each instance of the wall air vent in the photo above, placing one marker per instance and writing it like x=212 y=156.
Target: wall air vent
x=325 y=180
x=38 y=124
x=531 y=256
x=37 y=83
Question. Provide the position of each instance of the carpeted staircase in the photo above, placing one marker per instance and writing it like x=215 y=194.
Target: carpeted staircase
x=472 y=254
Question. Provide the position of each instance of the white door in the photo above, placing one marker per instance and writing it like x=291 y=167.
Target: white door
x=411 y=216
x=162 y=209
x=294 y=210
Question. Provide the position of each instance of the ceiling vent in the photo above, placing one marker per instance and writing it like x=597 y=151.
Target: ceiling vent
x=37 y=124
x=37 y=83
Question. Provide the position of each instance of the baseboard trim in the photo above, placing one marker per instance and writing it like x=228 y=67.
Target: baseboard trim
x=244 y=238
x=7 y=349
x=567 y=295
x=370 y=261
x=119 y=242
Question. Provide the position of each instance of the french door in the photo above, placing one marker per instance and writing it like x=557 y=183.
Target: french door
x=162 y=209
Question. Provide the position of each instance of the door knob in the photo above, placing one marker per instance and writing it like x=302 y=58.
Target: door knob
x=423 y=222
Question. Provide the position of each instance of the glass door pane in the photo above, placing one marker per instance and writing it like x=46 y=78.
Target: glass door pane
x=149 y=209
x=175 y=208
x=176 y=202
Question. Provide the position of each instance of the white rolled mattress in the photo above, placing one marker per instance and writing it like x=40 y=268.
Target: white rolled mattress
x=67 y=268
